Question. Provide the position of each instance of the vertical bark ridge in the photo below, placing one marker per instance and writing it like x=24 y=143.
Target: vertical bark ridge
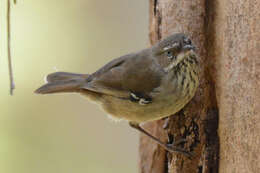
x=198 y=121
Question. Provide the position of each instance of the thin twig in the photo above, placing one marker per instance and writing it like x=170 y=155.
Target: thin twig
x=11 y=78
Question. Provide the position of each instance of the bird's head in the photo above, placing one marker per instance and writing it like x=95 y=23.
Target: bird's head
x=173 y=49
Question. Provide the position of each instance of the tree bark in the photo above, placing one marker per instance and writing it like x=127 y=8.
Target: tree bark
x=237 y=60
x=226 y=33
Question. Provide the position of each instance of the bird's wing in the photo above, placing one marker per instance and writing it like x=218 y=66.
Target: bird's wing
x=124 y=75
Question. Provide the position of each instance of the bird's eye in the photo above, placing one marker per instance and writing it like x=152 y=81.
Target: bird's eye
x=170 y=55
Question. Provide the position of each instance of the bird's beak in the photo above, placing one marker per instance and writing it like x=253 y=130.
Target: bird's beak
x=189 y=47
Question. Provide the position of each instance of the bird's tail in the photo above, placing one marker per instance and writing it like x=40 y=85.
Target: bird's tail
x=62 y=82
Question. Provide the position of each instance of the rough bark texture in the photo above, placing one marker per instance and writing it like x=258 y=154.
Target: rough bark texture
x=237 y=75
x=197 y=122
x=226 y=33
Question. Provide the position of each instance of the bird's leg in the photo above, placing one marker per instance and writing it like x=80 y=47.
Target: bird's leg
x=166 y=127
x=169 y=147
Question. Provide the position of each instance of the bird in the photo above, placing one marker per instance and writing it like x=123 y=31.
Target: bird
x=139 y=87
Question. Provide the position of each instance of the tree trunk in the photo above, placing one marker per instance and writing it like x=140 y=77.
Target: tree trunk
x=226 y=33
x=237 y=62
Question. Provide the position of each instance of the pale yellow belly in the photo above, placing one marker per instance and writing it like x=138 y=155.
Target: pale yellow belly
x=132 y=111
x=167 y=99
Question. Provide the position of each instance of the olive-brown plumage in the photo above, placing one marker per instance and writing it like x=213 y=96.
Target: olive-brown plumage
x=144 y=86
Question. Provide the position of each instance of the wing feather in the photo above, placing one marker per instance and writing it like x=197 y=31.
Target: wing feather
x=126 y=74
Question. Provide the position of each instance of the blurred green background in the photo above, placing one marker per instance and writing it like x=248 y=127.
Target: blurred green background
x=65 y=133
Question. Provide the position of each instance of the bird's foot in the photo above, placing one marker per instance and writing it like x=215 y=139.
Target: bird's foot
x=174 y=149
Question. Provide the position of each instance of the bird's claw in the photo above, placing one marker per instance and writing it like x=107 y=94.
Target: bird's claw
x=173 y=148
